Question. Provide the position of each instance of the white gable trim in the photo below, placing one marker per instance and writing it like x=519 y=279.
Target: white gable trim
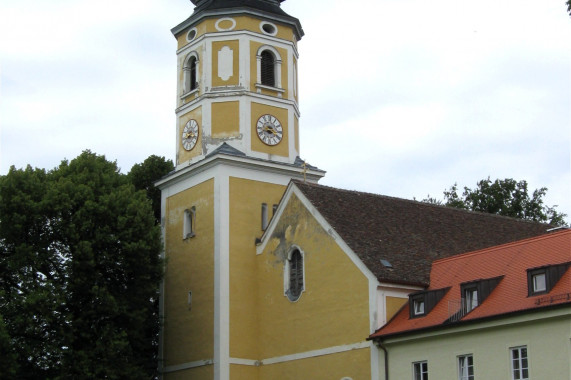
x=292 y=189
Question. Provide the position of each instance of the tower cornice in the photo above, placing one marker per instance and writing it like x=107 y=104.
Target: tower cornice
x=297 y=171
x=267 y=9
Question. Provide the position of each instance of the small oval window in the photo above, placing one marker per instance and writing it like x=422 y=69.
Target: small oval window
x=191 y=34
x=225 y=24
x=268 y=28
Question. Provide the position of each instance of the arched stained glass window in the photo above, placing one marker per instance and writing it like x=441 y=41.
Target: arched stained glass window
x=295 y=275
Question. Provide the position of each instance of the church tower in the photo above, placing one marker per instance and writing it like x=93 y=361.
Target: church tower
x=237 y=148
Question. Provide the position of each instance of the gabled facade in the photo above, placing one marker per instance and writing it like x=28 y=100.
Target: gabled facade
x=505 y=314
x=352 y=275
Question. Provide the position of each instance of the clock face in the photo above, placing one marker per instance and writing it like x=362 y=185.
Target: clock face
x=269 y=130
x=190 y=135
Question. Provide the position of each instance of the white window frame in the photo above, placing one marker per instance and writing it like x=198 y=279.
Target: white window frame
x=465 y=362
x=418 y=306
x=277 y=68
x=287 y=269
x=420 y=370
x=186 y=71
x=539 y=287
x=519 y=372
x=471 y=298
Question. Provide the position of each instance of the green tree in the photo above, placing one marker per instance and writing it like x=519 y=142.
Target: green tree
x=506 y=197
x=144 y=176
x=569 y=6
x=8 y=364
x=80 y=261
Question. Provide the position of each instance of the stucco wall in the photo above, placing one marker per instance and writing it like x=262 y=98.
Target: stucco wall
x=332 y=311
x=188 y=332
x=547 y=341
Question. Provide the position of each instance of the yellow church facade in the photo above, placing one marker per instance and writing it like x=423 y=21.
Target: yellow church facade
x=225 y=311
x=269 y=275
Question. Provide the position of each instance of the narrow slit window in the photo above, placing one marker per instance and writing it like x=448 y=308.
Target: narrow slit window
x=189 y=223
x=264 y=216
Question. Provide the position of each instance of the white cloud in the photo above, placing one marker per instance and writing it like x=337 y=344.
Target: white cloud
x=401 y=97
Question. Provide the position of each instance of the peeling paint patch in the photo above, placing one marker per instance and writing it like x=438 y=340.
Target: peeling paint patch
x=210 y=143
x=294 y=221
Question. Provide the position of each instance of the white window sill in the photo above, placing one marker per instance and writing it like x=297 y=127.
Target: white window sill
x=260 y=87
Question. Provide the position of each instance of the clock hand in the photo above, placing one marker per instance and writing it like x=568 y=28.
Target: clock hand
x=271 y=130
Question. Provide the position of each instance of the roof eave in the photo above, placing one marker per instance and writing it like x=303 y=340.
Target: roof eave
x=465 y=322
x=201 y=15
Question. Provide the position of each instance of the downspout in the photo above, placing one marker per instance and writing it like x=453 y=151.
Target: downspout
x=380 y=344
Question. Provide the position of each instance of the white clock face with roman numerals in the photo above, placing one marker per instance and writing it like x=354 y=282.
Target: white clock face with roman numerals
x=269 y=130
x=190 y=135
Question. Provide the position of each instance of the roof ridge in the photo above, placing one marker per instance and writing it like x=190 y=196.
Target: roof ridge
x=420 y=203
x=460 y=256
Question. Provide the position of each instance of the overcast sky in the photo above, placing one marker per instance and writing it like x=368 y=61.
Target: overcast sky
x=398 y=97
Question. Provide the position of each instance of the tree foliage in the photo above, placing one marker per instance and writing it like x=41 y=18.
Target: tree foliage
x=80 y=267
x=144 y=175
x=506 y=197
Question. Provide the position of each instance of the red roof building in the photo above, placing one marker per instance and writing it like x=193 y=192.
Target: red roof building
x=488 y=292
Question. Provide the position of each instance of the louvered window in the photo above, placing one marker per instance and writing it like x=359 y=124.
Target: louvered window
x=295 y=275
x=268 y=75
x=192 y=68
x=190 y=72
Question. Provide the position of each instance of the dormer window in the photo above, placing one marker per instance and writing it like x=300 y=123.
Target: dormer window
x=475 y=292
x=418 y=306
x=421 y=303
x=471 y=298
x=542 y=280
x=538 y=281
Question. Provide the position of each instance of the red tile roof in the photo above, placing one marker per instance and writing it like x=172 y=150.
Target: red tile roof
x=511 y=294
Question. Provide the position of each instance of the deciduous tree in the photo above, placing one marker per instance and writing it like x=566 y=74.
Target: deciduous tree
x=80 y=261
x=144 y=176
x=506 y=197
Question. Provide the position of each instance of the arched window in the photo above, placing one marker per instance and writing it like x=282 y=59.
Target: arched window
x=190 y=70
x=294 y=275
x=268 y=69
x=192 y=64
x=189 y=223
